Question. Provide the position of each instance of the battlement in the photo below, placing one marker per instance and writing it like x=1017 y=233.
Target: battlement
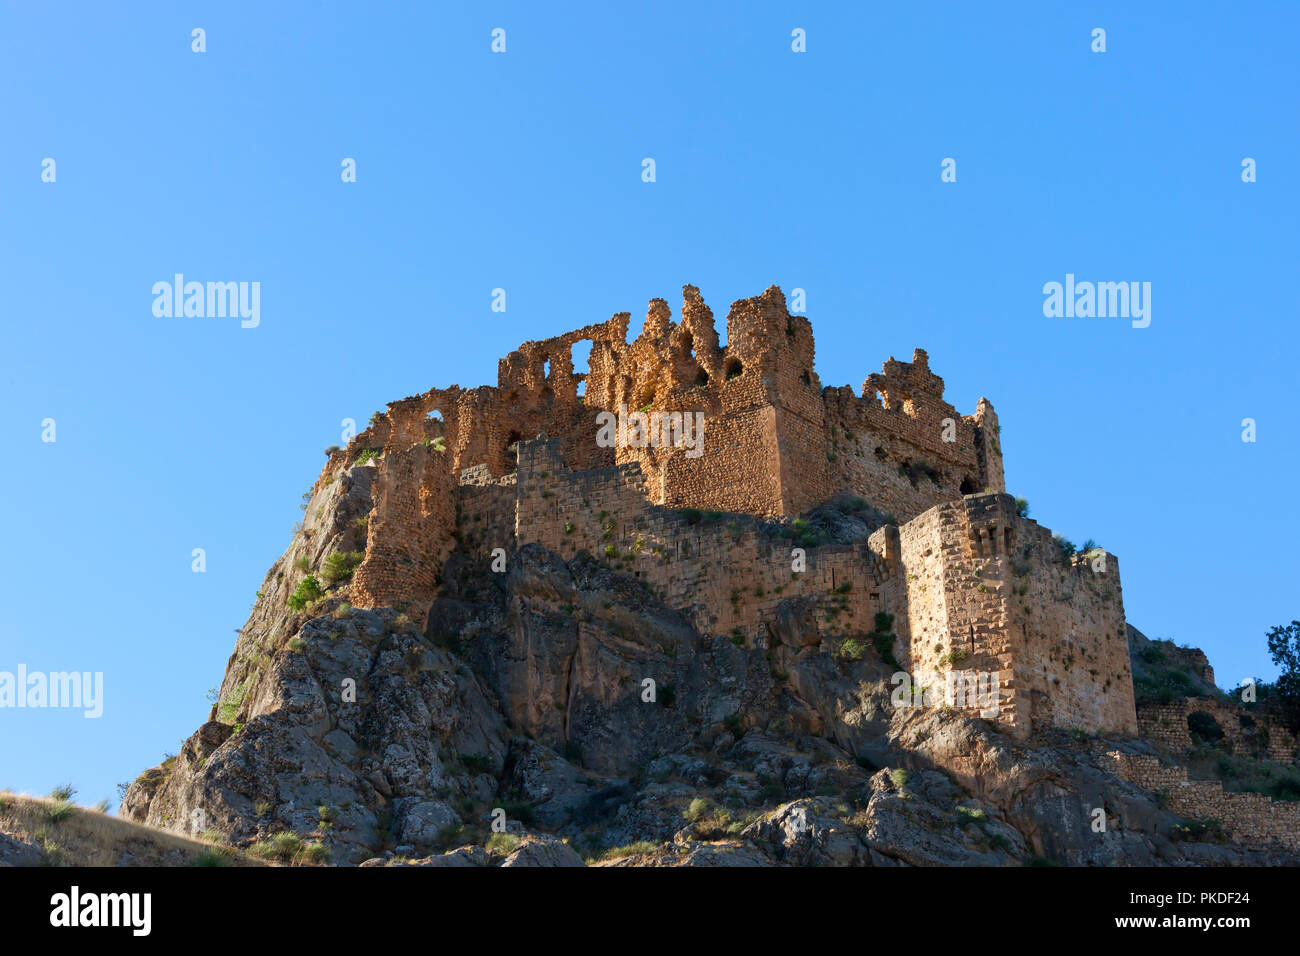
x=775 y=442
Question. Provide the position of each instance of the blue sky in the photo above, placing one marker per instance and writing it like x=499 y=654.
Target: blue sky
x=522 y=170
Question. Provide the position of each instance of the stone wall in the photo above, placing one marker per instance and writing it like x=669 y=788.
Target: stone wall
x=1245 y=817
x=485 y=512
x=903 y=447
x=730 y=573
x=1068 y=626
x=409 y=532
x=1244 y=732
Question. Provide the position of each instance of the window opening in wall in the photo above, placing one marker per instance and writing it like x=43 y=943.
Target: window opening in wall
x=581 y=356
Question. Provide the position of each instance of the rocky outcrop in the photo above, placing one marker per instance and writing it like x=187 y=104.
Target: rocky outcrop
x=560 y=706
x=563 y=700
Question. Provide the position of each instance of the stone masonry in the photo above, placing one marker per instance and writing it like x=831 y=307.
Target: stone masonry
x=972 y=588
x=1245 y=817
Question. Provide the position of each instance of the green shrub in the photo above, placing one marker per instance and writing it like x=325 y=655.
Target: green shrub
x=230 y=706
x=308 y=592
x=853 y=649
x=59 y=810
x=1200 y=831
x=710 y=819
x=339 y=566
x=314 y=852
x=287 y=843
x=63 y=793
x=502 y=844
x=803 y=534
x=698 y=809
x=631 y=849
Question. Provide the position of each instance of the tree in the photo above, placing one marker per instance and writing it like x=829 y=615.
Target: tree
x=1284 y=647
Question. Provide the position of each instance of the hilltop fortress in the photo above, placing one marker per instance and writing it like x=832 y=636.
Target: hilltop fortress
x=951 y=579
x=688 y=577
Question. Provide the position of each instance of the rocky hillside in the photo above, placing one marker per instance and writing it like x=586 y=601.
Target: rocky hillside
x=562 y=701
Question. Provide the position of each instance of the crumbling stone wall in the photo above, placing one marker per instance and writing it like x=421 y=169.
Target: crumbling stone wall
x=1243 y=732
x=1245 y=817
x=409 y=532
x=906 y=449
x=775 y=443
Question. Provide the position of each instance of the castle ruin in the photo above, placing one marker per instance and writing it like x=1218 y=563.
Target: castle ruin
x=968 y=586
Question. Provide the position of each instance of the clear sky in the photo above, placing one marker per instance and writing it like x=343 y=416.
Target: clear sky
x=523 y=171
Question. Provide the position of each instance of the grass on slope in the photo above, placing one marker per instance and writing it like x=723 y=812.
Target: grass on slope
x=64 y=834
